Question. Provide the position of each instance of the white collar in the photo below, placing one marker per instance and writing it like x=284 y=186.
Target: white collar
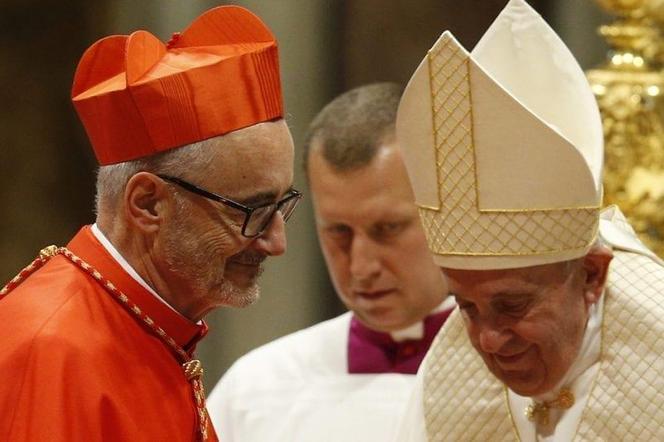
x=416 y=331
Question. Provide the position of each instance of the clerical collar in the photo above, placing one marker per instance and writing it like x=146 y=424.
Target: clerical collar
x=416 y=331
x=373 y=352
x=126 y=266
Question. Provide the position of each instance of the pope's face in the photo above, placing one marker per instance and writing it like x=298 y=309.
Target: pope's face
x=527 y=324
x=372 y=241
x=208 y=258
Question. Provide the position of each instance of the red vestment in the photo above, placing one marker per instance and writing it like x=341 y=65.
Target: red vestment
x=76 y=366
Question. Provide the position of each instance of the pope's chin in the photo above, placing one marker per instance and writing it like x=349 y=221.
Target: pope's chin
x=524 y=382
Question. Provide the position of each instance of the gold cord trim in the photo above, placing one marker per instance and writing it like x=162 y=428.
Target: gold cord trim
x=193 y=369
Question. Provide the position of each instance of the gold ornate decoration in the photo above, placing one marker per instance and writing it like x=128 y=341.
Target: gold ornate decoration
x=48 y=252
x=539 y=411
x=629 y=88
x=193 y=369
x=44 y=255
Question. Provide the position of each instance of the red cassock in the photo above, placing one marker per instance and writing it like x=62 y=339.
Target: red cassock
x=77 y=366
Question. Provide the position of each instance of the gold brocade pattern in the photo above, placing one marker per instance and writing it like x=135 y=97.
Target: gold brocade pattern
x=458 y=226
x=463 y=401
x=626 y=402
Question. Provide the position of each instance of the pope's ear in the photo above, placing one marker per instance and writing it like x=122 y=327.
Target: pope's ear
x=596 y=267
x=145 y=199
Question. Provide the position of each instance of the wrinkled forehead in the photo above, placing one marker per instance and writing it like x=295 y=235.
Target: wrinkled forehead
x=258 y=158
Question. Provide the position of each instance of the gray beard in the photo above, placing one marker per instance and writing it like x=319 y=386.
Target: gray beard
x=234 y=296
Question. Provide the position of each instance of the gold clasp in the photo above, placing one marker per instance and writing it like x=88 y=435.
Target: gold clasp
x=540 y=411
x=193 y=369
x=48 y=252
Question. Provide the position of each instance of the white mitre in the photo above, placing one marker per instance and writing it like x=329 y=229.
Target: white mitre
x=504 y=147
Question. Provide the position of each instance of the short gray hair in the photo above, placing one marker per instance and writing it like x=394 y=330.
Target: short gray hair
x=350 y=128
x=112 y=179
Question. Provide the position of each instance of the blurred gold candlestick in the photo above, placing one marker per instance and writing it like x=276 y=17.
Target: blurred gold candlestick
x=629 y=88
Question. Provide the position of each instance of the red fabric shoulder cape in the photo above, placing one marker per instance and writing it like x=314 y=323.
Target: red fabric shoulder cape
x=77 y=367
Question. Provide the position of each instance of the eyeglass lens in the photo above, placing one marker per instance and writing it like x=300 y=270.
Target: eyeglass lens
x=262 y=216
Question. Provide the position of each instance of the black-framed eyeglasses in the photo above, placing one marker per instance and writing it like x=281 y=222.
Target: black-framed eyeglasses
x=256 y=219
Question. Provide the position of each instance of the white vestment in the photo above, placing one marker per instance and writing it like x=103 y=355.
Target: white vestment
x=297 y=389
x=617 y=381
